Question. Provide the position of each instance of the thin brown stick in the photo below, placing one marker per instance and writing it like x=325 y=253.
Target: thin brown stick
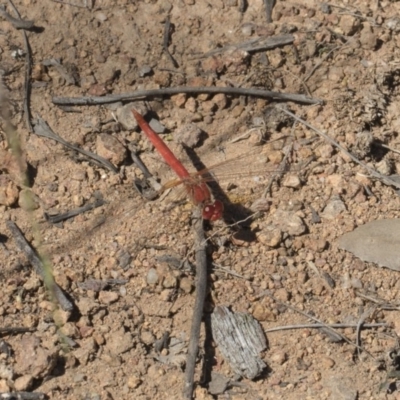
x=71 y=4
x=36 y=262
x=17 y=23
x=383 y=304
x=319 y=326
x=258 y=44
x=387 y=147
x=360 y=324
x=167 y=32
x=55 y=219
x=22 y=396
x=201 y=292
x=385 y=179
x=345 y=338
x=269 y=5
x=144 y=94
x=281 y=169
x=42 y=129
x=15 y=329
x=228 y=271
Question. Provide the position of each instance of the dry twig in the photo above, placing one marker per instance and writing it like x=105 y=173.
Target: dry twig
x=360 y=324
x=319 y=326
x=34 y=259
x=17 y=23
x=325 y=326
x=144 y=94
x=42 y=129
x=55 y=219
x=201 y=292
x=166 y=41
x=262 y=43
x=383 y=304
x=269 y=5
x=16 y=329
x=22 y=396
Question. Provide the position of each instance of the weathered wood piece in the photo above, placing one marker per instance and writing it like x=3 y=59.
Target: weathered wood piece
x=240 y=339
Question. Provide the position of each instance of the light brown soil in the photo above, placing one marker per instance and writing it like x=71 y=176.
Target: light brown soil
x=348 y=57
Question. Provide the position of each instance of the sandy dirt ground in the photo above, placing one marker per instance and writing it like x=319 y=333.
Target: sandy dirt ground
x=130 y=277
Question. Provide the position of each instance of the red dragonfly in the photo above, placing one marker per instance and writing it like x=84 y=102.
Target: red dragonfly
x=198 y=191
x=250 y=168
x=252 y=164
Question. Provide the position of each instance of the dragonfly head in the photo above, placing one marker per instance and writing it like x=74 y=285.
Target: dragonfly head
x=213 y=211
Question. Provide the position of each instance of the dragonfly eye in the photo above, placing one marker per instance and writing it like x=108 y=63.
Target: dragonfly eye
x=213 y=211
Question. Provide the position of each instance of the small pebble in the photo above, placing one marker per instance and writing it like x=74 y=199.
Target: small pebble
x=152 y=277
x=261 y=313
x=79 y=378
x=292 y=181
x=278 y=357
x=4 y=388
x=270 y=236
x=282 y=294
x=107 y=297
x=191 y=105
x=169 y=281
x=349 y=24
x=23 y=383
x=356 y=283
x=368 y=39
x=157 y=126
x=61 y=317
x=110 y=148
x=134 y=381
x=326 y=362
x=325 y=151
x=220 y=100
x=119 y=342
x=147 y=337
x=145 y=71
x=167 y=294
x=188 y=134
x=247 y=29
x=393 y=24
x=125 y=116
x=26 y=200
x=6 y=372
x=97 y=89
x=101 y=16
x=333 y=208
x=289 y=222
x=186 y=284
x=179 y=100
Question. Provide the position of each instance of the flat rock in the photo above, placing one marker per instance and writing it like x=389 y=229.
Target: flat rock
x=107 y=297
x=189 y=134
x=33 y=359
x=289 y=222
x=377 y=242
x=333 y=208
x=23 y=383
x=110 y=148
x=119 y=342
